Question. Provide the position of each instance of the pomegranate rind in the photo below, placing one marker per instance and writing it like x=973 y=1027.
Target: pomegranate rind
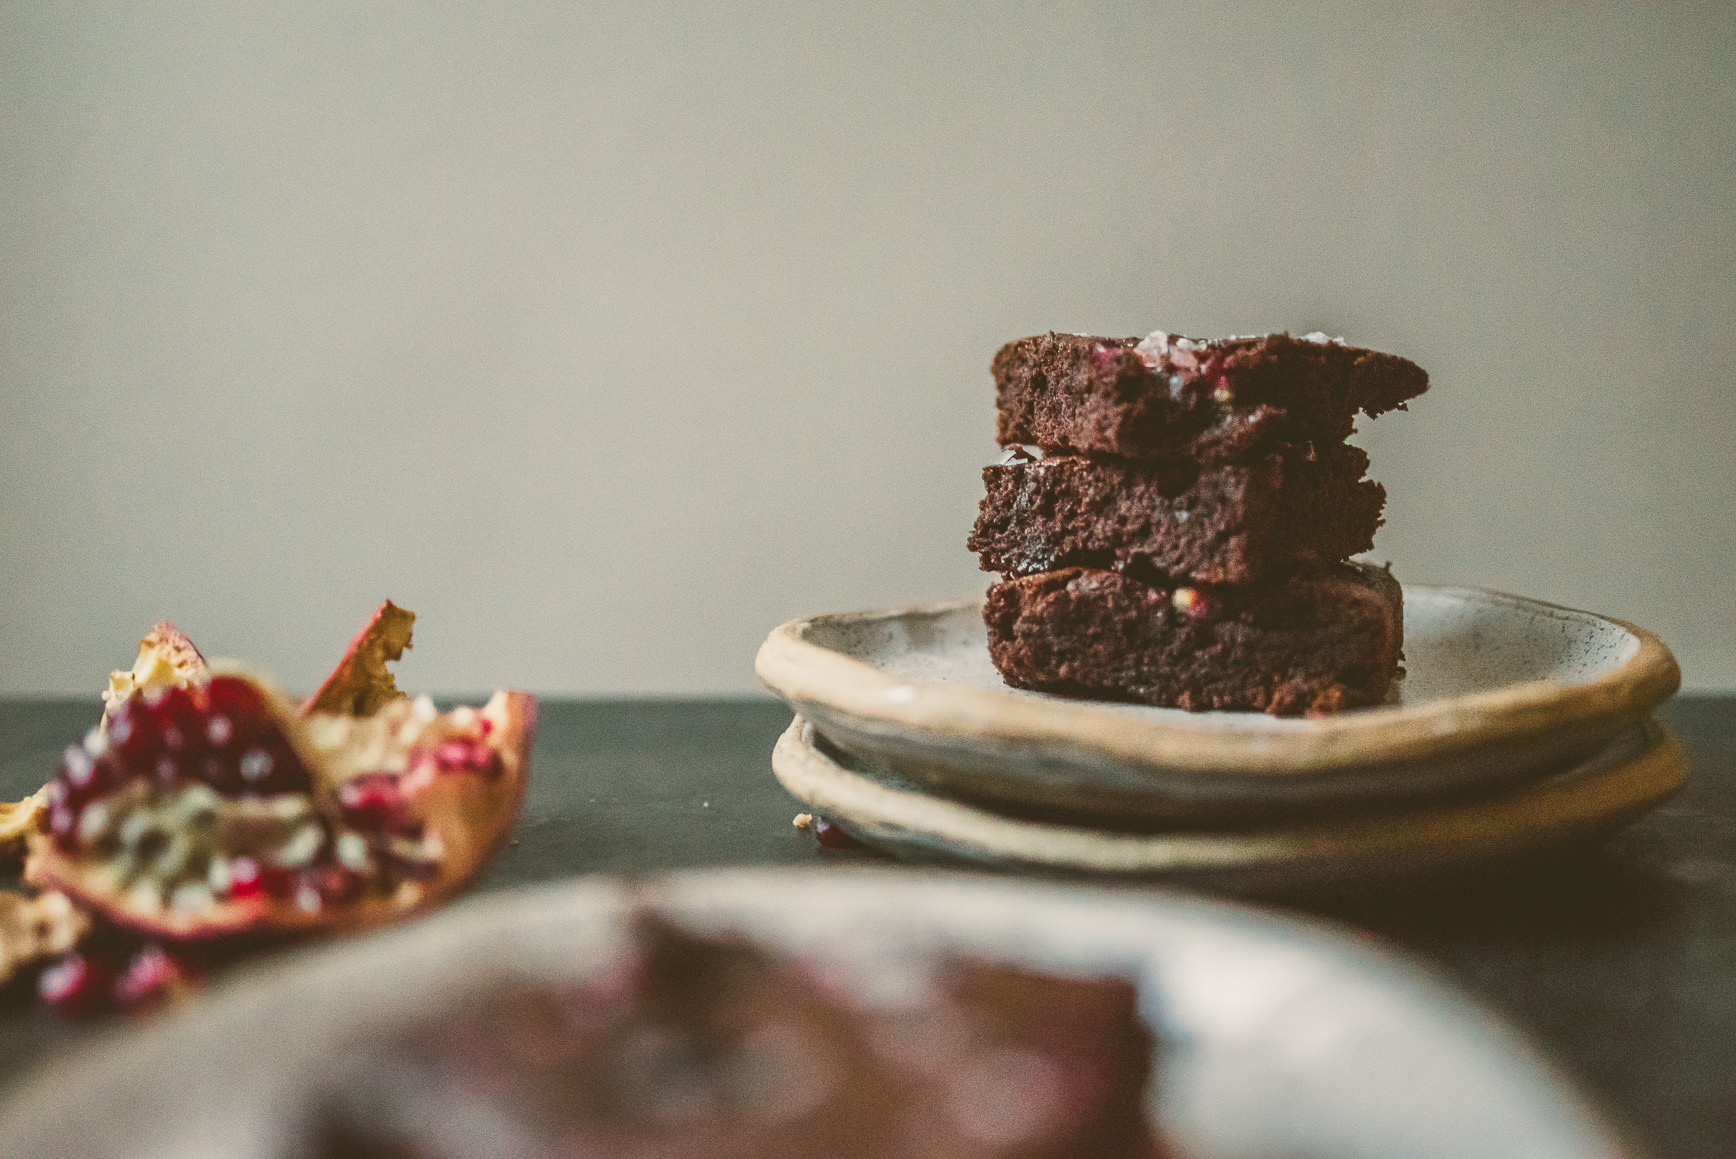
x=361 y=684
x=19 y=819
x=33 y=928
x=473 y=816
x=166 y=659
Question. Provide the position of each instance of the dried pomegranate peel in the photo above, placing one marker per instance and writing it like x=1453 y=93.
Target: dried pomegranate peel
x=167 y=659
x=209 y=804
x=361 y=684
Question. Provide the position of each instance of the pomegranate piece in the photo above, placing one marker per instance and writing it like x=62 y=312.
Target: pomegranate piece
x=76 y=985
x=149 y=977
x=361 y=685
x=373 y=803
x=115 y=975
x=220 y=807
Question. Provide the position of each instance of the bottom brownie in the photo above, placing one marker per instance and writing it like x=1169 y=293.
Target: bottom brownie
x=1316 y=640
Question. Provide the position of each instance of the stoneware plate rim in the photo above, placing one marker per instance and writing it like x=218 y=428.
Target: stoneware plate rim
x=803 y=672
x=1641 y=769
x=1241 y=991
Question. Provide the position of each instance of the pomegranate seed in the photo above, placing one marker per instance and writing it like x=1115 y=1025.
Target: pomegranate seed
x=469 y=755
x=149 y=977
x=244 y=879
x=334 y=884
x=77 y=767
x=85 y=776
x=243 y=707
x=830 y=836
x=269 y=766
x=255 y=766
x=63 y=826
x=373 y=802
x=135 y=735
x=239 y=698
x=286 y=774
x=73 y=984
x=278 y=882
x=249 y=879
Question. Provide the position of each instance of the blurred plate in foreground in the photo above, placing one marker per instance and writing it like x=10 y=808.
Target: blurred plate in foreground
x=1279 y=1038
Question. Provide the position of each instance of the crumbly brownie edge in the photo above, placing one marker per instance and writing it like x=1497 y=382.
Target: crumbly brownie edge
x=1229 y=524
x=1214 y=400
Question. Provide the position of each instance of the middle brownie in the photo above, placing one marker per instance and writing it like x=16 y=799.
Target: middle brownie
x=1224 y=524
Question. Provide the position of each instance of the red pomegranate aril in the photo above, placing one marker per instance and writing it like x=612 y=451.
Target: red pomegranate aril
x=219 y=730
x=239 y=717
x=74 y=984
x=830 y=836
x=278 y=882
x=221 y=774
x=85 y=776
x=135 y=739
x=248 y=879
x=273 y=767
x=61 y=821
x=244 y=879
x=373 y=802
x=269 y=766
x=167 y=770
x=148 y=977
x=78 y=768
x=239 y=699
x=334 y=884
x=179 y=718
x=469 y=755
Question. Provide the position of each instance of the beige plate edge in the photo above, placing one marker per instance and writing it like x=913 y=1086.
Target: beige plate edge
x=1592 y=799
x=870 y=700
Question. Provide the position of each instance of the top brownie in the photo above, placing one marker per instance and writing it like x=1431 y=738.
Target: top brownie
x=1216 y=400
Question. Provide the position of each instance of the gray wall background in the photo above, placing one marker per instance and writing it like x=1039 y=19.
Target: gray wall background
x=606 y=336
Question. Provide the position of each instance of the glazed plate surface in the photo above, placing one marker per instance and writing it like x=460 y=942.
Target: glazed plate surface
x=1497 y=689
x=1278 y=1037
x=1638 y=771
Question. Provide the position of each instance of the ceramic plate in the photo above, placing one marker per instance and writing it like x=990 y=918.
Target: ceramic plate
x=1498 y=688
x=1638 y=771
x=1279 y=1037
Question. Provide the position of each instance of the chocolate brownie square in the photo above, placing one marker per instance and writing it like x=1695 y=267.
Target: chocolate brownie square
x=1221 y=524
x=1215 y=400
x=1316 y=640
x=705 y=1045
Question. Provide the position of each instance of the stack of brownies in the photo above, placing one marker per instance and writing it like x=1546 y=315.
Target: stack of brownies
x=1172 y=522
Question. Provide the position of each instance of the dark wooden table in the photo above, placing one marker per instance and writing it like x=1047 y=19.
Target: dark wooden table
x=1621 y=961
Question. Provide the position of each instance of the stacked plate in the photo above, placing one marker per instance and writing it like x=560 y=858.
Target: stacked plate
x=1519 y=725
